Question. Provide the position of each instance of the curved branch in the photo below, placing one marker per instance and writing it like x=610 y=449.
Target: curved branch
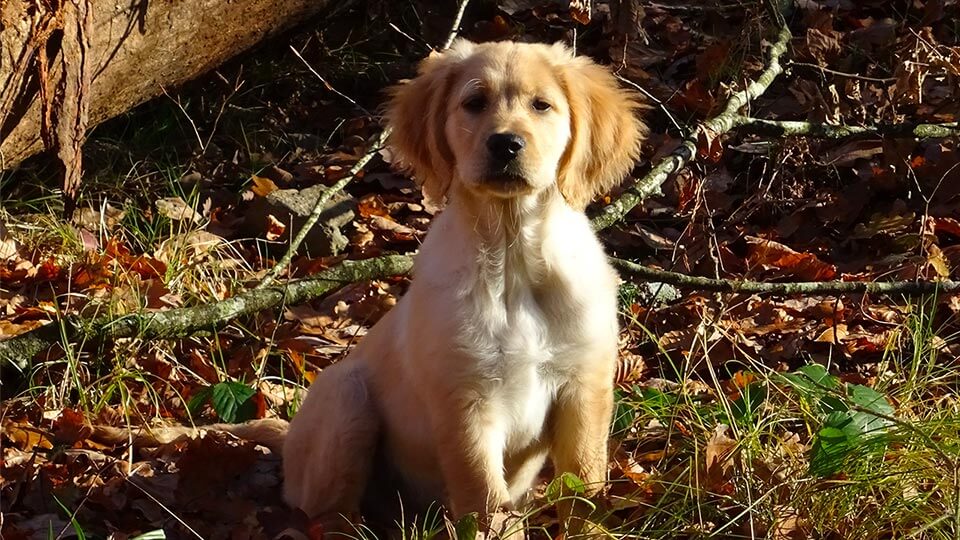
x=801 y=287
x=18 y=350
x=171 y=323
x=790 y=128
x=687 y=151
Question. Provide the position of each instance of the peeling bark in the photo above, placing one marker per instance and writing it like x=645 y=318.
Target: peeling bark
x=108 y=56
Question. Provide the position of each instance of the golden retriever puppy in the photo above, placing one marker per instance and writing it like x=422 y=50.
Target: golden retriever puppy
x=502 y=352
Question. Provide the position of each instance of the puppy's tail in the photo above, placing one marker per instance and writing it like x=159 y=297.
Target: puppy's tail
x=268 y=432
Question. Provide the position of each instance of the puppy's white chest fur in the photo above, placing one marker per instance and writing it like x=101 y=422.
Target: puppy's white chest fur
x=522 y=295
x=515 y=363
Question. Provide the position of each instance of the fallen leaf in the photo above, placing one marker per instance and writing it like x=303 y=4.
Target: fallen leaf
x=262 y=186
x=177 y=209
x=718 y=454
x=25 y=436
x=275 y=228
x=785 y=261
x=8 y=246
x=833 y=334
x=580 y=11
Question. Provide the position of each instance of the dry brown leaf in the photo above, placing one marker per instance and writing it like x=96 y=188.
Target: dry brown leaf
x=946 y=225
x=937 y=261
x=788 y=525
x=892 y=225
x=847 y=154
x=719 y=459
x=105 y=217
x=633 y=471
x=10 y=329
x=189 y=247
x=372 y=205
x=16 y=270
x=833 y=334
x=823 y=45
x=262 y=186
x=275 y=228
x=785 y=261
x=70 y=427
x=8 y=245
x=311 y=320
x=397 y=231
x=25 y=436
x=580 y=11
x=630 y=368
x=709 y=144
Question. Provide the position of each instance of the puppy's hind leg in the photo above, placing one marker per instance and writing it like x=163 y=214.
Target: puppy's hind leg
x=329 y=451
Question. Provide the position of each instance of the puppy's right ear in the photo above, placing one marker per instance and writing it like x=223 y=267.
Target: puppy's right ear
x=417 y=112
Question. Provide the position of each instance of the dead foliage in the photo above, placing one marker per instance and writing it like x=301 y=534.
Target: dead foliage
x=698 y=369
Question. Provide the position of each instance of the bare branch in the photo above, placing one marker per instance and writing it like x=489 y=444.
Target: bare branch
x=175 y=323
x=687 y=151
x=910 y=288
x=790 y=128
x=318 y=209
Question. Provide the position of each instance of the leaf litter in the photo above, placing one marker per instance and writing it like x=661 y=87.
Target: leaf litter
x=779 y=209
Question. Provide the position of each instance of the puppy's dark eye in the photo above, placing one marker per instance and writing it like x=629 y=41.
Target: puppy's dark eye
x=541 y=105
x=475 y=104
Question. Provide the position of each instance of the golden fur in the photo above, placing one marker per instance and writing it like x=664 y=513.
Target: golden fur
x=502 y=352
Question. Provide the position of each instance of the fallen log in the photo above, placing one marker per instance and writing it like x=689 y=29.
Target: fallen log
x=91 y=60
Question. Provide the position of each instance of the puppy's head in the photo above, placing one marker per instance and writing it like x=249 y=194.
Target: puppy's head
x=507 y=119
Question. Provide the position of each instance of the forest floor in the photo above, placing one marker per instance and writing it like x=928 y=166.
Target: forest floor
x=740 y=415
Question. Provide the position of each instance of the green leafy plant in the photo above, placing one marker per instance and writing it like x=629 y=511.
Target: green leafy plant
x=855 y=418
x=467 y=527
x=231 y=400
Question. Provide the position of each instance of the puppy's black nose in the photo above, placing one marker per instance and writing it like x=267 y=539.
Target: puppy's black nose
x=505 y=146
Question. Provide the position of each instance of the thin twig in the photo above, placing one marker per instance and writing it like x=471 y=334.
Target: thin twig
x=411 y=38
x=910 y=288
x=883 y=80
x=193 y=125
x=739 y=6
x=318 y=208
x=328 y=85
x=653 y=98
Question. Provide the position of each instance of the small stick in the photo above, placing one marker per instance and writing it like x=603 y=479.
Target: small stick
x=456 y=24
x=883 y=80
x=328 y=85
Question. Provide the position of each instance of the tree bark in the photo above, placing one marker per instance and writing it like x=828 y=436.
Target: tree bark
x=128 y=51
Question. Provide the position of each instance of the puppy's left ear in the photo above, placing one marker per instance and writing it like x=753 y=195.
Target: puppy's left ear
x=605 y=130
